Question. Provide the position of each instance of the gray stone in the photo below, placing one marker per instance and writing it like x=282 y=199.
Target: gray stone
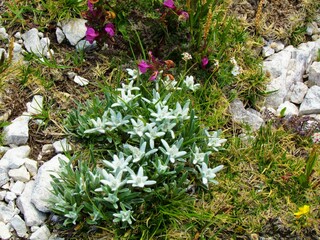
x=288 y=108
x=17 y=132
x=43 y=233
x=6 y=212
x=81 y=81
x=297 y=92
x=84 y=45
x=2 y=195
x=74 y=30
x=20 y=174
x=17 y=187
x=3 y=34
x=36 y=105
x=19 y=226
x=31 y=215
x=15 y=153
x=60 y=35
x=16 y=163
x=17 y=35
x=32 y=42
x=4 y=178
x=267 y=51
x=61 y=146
x=42 y=187
x=32 y=166
x=311 y=102
x=314 y=74
x=277 y=46
x=4 y=231
x=10 y=196
x=241 y=115
x=45 y=44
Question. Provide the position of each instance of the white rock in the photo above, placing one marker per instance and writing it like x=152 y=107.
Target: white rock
x=2 y=195
x=74 y=30
x=314 y=74
x=32 y=166
x=277 y=46
x=4 y=231
x=61 y=146
x=17 y=132
x=17 y=35
x=6 y=212
x=19 y=226
x=17 y=47
x=47 y=148
x=297 y=92
x=43 y=233
x=3 y=149
x=17 y=187
x=267 y=51
x=60 y=35
x=3 y=34
x=311 y=102
x=84 y=45
x=36 y=105
x=42 y=188
x=241 y=115
x=40 y=34
x=10 y=196
x=16 y=163
x=45 y=44
x=20 y=174
x=71 y=75
x=32 y=42
x=31 y=215
x=81 y=81
x=17 y=152
x=4 y=177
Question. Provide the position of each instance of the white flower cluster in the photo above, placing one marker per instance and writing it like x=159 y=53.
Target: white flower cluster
x=156 y=142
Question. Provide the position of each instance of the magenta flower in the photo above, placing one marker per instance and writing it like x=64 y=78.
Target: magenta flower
x=143 y=66
x=154 y=76
x=91 y=34
x=169 y=4
x=110 y=29
x=204 y=62
x=183 y=16
x=90 y=6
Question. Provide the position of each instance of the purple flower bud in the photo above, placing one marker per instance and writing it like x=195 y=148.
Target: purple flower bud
x=91 y=34
x=169 y=4
x=183 y=16
x=110 y=29
x=204 y=62
x=143 y=66
x=90 y=6
x=154 y=76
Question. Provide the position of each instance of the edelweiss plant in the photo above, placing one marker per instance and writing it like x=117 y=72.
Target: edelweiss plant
x=149 y=145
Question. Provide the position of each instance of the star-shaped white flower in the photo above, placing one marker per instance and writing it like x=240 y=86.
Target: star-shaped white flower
x=139 y=180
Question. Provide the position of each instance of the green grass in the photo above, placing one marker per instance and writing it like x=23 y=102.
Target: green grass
x=264 y=182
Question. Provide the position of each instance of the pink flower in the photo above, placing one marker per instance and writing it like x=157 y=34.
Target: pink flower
x=154 y=76
x=90 y=6
x=183 y=16
x=169 y=4
x=110 y=29
x=143 y=66
x=91 y=34
x=204 y=62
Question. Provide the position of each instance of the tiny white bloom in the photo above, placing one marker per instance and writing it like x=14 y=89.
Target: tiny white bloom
x=139 y=180
x=114 y=182
x=198 y=157
x=133 y=73
x=182 y=113
x=214 y=141
x=189 y=82
x=208 y=174
x=153 y=133
x=186 y=56
x=119 y=163
x=162 y=113
x=116 y=119
x=139 y=127
x=236 y=70
x=173 y=151
x=123 y=216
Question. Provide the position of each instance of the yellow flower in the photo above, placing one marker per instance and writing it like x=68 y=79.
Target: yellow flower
x=302 y=210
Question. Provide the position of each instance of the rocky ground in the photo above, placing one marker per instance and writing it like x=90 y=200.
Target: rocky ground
x=25 y=172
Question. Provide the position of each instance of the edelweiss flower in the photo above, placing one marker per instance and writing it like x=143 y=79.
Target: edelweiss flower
x=133 y=73
x=153 y=134
x=139 y=180
x=214 y=141
x=208 y=174
x=139 y=127
x=119 y=163
x=189 y=82
x=114 y=182
x=123 y=216
x=173 y=151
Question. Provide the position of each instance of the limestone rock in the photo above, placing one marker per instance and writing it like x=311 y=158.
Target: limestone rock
x=4 y=231
x=311 y=102
x=43 y=233
x=314 y=74
x=19 y=226
x=243 y=116
x=6 y=212
x=36 y=105
x=20 y=174
x=81 y=81
x=17 y=132
x=31 y=215
x=32 y=166
x=61 y=146
x=74 y=30
x=32 y=42
x=42 y=188
x=17 y=187
x=297 y=92
x=4 y=177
